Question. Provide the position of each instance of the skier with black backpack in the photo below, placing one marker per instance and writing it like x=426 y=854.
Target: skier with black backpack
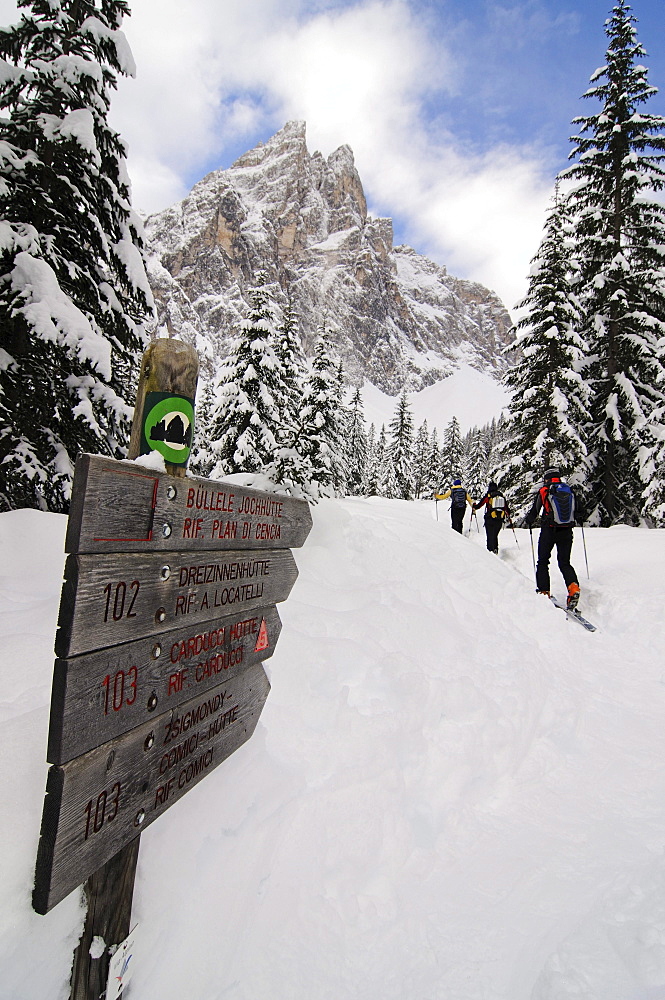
x=458 y=501
x=496 y=510
x=559 y=508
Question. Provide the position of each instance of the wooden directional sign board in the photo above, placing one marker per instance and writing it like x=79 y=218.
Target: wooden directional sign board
x=166 y=614
x=122 y=507
x=103 y=694
x=102 y=800
x=108 y=599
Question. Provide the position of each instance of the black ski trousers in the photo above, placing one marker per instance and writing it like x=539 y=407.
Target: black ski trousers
x=563 y=539
x=493 y=526
x=457 y=517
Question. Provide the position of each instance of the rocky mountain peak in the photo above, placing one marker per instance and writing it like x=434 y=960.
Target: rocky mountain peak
x=302 y=219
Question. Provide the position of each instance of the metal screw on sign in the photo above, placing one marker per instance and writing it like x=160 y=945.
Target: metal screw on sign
x=140 y=816
x=149 y=741
x=160 y=615
x=171 y=492
x=166 y=529
x=165 y=572
x=156 y=651
x=152 y=702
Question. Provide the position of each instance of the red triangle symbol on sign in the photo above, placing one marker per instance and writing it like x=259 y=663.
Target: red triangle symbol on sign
x=262 y=641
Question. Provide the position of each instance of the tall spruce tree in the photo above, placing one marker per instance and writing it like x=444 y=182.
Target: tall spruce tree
x=550 y=398
x=376 y=466
x=289 y=352
x=620 y=250
x=201 y=460
x=355 y=446
x=400 y=451
x=452 y=452
x=247 y=413
x=476 y=462
x=320 y=441
x=434 y=473
x=73 y=288
x=421 y=457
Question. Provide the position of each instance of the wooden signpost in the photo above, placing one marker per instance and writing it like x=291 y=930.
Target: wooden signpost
x=166 y=616
x=108 y=692
x=99 y=802
x=108 y=599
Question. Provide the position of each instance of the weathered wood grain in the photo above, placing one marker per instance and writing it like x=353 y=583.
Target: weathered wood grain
x=121 y=507
x=100 y=695
x=108 y=894
x=109 y=599
x=168 y=365
x=99 y=802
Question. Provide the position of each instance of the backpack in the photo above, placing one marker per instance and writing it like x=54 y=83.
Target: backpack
x=458 y=496
x=560 y=500
x=497 y=506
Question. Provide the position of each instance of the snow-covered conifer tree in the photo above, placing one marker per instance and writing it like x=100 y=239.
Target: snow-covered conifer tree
x=201 y=461
x=620 y=251
x=342 y=421
x=434 y=474
x=476 y=463
x=421 y=458
x=400 y=452
x=549 y=402
x=289 y=352
x=355 y=446
x=247 y=413
x=377 y=466
x=73 y=288
x=320 y=437
x=289 y=467
x=452 y=452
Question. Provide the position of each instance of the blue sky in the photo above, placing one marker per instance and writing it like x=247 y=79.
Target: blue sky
x=458 y=111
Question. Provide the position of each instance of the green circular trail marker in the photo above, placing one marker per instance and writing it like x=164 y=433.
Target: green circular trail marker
x=168 y=426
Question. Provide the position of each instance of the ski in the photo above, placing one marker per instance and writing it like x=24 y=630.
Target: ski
x=574 y=615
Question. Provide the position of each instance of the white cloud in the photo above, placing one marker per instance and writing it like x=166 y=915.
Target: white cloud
x=211 y=73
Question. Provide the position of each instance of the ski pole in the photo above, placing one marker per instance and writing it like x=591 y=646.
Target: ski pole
x=512 y=527
x=477 y=525
x=436 y=508
x=533 y=558
x=585 y=555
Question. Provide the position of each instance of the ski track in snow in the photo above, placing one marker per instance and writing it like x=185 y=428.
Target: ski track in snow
x=453 y=792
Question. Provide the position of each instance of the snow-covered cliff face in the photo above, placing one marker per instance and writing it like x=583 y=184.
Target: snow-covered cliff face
x=397 y=318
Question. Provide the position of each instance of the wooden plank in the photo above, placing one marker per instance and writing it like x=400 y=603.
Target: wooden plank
x=121 y=507
x=98 y=803
x=109 y=599
x=101 y=695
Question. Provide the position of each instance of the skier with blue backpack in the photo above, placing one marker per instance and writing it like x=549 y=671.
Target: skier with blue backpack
x=559 y=508
x=459 y=498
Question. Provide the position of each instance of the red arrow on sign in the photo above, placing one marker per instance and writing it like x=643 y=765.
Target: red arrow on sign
x=262 y=641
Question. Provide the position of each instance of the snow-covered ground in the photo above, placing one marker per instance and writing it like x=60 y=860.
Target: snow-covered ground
x=453 y=792
x=474 y=397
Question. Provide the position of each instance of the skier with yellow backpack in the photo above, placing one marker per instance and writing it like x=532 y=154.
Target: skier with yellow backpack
x=496 y=512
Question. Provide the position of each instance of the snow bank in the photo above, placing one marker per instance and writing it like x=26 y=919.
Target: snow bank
x=453 y=792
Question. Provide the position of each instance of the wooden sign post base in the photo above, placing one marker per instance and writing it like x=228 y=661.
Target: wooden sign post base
x=109 y=895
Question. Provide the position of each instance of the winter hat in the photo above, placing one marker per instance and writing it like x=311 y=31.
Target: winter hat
x=457 y=482
x=492 y=486
x=552 y=473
